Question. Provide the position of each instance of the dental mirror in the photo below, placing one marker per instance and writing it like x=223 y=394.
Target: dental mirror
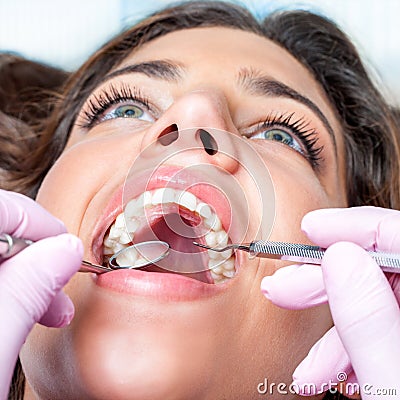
x=139 y=255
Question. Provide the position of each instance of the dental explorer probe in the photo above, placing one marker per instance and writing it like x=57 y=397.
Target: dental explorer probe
x=156 y=251
x=302 y=253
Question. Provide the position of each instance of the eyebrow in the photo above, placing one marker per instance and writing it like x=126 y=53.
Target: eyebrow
x=257 y=84
x=159 y=69
x=251 y=80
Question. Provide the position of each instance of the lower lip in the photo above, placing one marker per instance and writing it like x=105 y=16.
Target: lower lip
x=161 y=286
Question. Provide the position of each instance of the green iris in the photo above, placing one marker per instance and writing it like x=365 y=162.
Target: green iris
x=128 y=111
x=278 y=135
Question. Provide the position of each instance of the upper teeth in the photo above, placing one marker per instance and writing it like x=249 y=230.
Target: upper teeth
x=121 y=233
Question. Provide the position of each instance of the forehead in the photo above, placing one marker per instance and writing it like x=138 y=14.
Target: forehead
x=210 y=46
x=223 y=52
x=216 y=55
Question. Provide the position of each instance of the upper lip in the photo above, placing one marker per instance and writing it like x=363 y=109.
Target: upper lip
x=161 y=177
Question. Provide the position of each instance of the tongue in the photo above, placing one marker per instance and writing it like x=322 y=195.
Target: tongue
x=178 y=228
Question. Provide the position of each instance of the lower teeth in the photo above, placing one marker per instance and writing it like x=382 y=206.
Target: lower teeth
x=121 y=233
x=220 y=273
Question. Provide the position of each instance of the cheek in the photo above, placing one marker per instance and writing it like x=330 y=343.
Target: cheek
x=298 y=191
x=77 y=176
x=68 y=186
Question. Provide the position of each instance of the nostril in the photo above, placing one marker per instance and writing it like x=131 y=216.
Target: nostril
x=168 y=135
x=209 y=143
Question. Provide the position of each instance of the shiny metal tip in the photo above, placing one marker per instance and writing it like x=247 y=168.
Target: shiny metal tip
x=221 y=249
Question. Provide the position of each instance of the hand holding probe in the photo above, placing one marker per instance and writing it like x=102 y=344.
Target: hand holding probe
x=302 y=253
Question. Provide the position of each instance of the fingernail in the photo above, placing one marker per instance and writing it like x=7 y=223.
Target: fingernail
x=68 y=315
x=66 y=320
x=265 y=287
x=75 y=243
x=62 y=225
x=311 y=217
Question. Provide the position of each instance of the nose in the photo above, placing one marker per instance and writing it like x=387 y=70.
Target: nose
x=201 y=118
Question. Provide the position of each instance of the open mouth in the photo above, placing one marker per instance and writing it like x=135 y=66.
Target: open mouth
x=178 y=218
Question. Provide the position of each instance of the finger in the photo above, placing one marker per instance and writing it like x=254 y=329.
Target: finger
x=28 y=284
x=30 y=280
x=59 y=313
x=22 y=217
x=372 y=228
x=327 y=361
x=365 y=312
x=295 y=287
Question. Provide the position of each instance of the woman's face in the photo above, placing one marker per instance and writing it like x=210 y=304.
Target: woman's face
x=151 y=335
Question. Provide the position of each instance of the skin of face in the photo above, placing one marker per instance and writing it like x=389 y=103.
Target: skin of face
x=220 y=347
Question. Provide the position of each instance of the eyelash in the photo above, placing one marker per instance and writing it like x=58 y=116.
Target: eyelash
x=99 y=103
x=298 y=128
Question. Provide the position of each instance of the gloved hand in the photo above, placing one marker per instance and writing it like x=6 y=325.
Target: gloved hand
x=364 y=344
x=31 y=281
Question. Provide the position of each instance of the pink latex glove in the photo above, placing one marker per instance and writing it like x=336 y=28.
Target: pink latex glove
x=364 y=344
x=31 y=281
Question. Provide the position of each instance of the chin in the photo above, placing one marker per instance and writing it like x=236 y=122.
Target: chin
x=124 y=348
x=149 y=375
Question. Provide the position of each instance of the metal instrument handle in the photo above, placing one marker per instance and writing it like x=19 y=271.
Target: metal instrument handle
x=313 y=254
x=9 y=245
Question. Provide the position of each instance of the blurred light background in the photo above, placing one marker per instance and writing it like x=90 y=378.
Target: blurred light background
x=65 y=33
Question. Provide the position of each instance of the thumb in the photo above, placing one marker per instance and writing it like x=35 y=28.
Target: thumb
x=30 y=280
x=30 y=283
x=60 y=312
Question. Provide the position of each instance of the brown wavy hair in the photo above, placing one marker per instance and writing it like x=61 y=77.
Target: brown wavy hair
x=367 y=122
x=27 y=93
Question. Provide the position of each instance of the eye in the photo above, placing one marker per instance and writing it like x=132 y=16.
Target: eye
x=278 y=135
x=128 y=111
x=294 y=132
x=113 y=102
